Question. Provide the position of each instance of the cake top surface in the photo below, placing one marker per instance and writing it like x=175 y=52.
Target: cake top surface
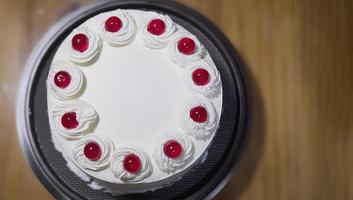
x=133 y=98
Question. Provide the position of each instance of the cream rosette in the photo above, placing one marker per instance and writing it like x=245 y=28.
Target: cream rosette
x=157 y=41
x=86 y=116
x=125 y=176
x=125 y=35
x=91 y=53
x=106 y=149
x=74 y=89
x=198 y=130
x=181 y=59
x=213 y=87
x=170 y=165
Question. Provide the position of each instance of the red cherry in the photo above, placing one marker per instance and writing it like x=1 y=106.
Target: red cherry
x=92 y=151
x=186 y=46
x=198 y=114
x=80 y=42
x=69 y=121
x=62 y=79
x=172 y=149
x=113 y=24
x=200 y=77
x=156 y=27
x=132 y=163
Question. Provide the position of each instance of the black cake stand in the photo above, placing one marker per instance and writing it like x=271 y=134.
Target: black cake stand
x=204 y=180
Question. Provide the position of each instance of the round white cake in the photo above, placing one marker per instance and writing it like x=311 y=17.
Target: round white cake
x=134 y=101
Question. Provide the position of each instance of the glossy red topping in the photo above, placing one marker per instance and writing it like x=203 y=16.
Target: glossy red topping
x=156 y=27
x=198 y=114
x=172 y=149
x=80 y=42
x=69 y=121
x=186 y=46
x=92 y=151
x=62 y=79
x=113 y=24
x=132 y=163
x=200 y=77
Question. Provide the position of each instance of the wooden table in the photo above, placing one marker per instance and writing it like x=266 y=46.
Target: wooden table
x=299 y=55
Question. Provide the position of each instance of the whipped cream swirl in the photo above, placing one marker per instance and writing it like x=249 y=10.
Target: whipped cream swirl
x=90 y=54
x=74 y=89
x=170 y=165
x=118 y=165
x=180 y=58
x=127 y=32
x=198 y=130
x=106 y=146
x=213 y=87
x=86 y=117
x=157 y=41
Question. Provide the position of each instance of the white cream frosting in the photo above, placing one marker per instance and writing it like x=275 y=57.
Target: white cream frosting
x=127 y=32
x=74 y=89
x=118 y=167
x=94 y=47
x=157 y=41
x=213 y=87
x=86 y=115
x=170 y=165
x=181 y=59
x=195 y=129
x=120 y=110
x=106 y=146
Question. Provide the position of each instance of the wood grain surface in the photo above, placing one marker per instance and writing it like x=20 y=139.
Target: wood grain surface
x=299 y=58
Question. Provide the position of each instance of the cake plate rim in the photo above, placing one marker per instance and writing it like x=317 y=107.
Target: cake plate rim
x=33 y=156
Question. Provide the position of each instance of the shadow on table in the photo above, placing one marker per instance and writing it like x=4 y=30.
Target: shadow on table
x=254 y=145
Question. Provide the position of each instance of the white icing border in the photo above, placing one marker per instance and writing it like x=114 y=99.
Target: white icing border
x=107 y=147
x=74 y=89
x=170 y=165
x=86 y=115
x=203 y=130
x=127 y=32
x=157 y=41
x=213 y=87
x=118 y=168
x=94 y=48
x=181 y=59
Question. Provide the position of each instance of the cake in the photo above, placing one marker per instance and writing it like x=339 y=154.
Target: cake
x=134 y=101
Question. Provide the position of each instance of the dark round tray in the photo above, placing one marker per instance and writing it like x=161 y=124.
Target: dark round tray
x=203 y=180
